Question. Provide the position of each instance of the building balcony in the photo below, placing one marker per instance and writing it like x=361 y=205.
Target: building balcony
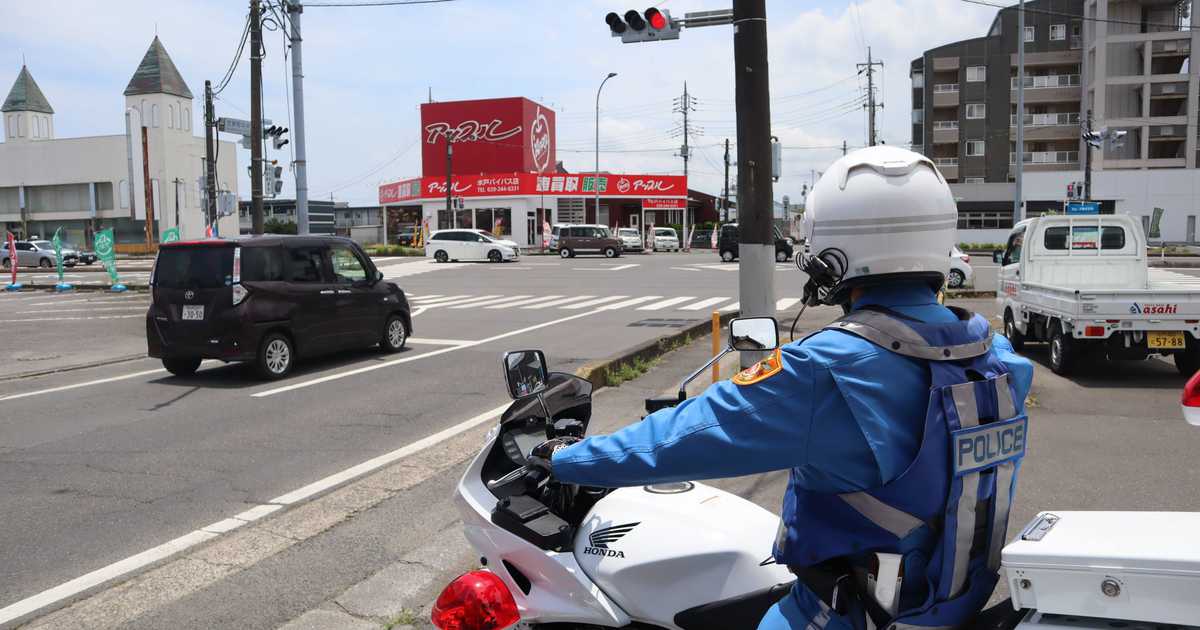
x=1168 y=132
x=1054 y=58
x=1170 y=48
x=1045 y=157
x=945 y=95
x=944 y=88
x=1046 y=81
x=1172 y=90
x=945 y=132
x=1046 y=120
x=1045 y=127
x=947 y=166
x=942 y=64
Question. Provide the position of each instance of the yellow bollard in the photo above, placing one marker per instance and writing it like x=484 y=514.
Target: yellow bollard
x=716 y=345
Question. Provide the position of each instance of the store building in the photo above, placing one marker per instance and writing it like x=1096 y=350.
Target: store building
x=505 y=178
x=83 y=184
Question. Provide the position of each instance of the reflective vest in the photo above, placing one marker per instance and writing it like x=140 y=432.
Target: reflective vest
x=947 y=513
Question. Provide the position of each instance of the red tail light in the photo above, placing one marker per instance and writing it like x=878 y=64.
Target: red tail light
x=478 y=600
x=1093 y=331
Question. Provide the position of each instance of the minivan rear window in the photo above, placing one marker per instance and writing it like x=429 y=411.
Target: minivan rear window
x=262 y=264
x=204 y=267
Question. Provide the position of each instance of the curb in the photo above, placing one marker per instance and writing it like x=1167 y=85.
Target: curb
x=72 y=368
x=1179 y=264
x=597 y=372
x=958 y=295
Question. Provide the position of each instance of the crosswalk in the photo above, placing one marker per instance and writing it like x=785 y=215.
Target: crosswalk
x=652 y=303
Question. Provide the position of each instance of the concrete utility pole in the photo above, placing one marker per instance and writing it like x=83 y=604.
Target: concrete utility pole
x=294 y=9
x=1019 y=199
x=256 y=129
x=210 y=162
x=871 y=106
x=149 y=186
x=1087 y=160
x=129 y=161
x=756 y=242
x=725 y=196
x=684 y=105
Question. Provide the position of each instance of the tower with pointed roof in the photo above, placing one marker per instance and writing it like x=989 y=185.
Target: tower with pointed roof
x=159 y=94
x=27 y=114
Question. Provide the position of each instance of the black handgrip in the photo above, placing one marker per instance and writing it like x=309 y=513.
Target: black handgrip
x=661 y=402
x=511 y=479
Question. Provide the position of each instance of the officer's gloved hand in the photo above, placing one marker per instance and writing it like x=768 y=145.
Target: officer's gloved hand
x=542 y=454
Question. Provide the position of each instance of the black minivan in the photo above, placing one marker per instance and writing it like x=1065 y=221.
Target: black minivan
x=727 y=244
x=268 y=300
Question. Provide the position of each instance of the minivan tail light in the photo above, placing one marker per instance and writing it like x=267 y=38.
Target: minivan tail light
x=239 y=293
x=478 y=600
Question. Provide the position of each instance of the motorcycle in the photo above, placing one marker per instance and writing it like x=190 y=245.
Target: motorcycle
x=688 y=556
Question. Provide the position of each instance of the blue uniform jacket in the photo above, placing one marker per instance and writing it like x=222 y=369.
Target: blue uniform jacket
x=839 y=433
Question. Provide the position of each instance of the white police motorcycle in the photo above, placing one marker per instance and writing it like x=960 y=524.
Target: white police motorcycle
x=687 y=556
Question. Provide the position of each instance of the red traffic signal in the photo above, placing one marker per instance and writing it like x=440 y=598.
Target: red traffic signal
x=656 y=19
x=615 y=24
x=635 y=20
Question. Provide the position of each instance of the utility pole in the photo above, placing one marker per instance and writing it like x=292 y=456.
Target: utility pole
x=1087 y=161
x=177 y=182
x=294 y=9
x=256 y=130
x=449 y=181
x=843 y=147
x=725 y=197
x=683 y=105
x=871 y=106
x=149 y=186
x=1019 y=198
x=210 y=163
x=756 y=242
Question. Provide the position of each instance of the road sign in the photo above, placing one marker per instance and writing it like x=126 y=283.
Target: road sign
x=237 y=126
x=1083 y=207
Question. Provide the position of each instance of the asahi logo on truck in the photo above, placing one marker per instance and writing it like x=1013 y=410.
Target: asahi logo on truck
x=469 y=131
x=1154 y=309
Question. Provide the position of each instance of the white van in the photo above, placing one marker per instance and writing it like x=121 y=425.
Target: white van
x=447 y=245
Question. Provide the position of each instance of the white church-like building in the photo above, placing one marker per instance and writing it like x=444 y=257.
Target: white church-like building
x=83 y=184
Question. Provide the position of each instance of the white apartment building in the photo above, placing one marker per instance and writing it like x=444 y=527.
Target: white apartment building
x=83 y=184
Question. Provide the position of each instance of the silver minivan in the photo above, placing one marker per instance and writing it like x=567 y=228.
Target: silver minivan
x=464 y=244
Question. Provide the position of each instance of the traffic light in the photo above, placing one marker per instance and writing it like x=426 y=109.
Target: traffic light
x=1094 y=138
x=275 y=133
x=277 y=186
x=1116 y=138
x=649 y=26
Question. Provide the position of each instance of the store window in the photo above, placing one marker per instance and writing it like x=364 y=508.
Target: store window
x=1058 y=32
x=462 y=219
x=975 y=74
x=918 y=80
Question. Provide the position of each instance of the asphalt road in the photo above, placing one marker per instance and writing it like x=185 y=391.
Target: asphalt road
x=100 y=463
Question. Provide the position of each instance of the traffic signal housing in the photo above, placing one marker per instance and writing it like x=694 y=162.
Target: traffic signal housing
x=651 y=25
x=276 y=133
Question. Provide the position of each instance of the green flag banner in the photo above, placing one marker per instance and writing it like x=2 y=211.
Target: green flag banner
x=106 y=253
x=1156 y=224
x=57 y=242
x=170 y=236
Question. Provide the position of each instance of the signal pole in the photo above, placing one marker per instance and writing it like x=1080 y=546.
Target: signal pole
x=210 y=163
x=1087 y=160
x=449 y=183
x=756 y=243
x=871 y=105
x=725 y=197
x=294 y=9
x=684 y=104
x=256 y=130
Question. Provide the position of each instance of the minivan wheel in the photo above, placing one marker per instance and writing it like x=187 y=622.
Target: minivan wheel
x=726 y=255
x=610 y=252
x=441 y=256
x=182 y=367
x=495 y=256
x=275 y=356
x=565 y=252
x=781 y=256
x=957 y=279
x=395 y=335
x=45 y=263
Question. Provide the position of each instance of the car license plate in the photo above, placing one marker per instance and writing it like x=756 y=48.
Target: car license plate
x=1166 y=340
x=193 y=312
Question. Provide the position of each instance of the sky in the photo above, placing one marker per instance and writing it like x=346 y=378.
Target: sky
x=367 y=69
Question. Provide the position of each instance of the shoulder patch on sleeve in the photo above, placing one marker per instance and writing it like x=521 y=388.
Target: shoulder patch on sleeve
x=760 y=371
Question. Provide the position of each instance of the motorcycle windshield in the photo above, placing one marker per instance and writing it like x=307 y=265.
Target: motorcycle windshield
x=566 y=396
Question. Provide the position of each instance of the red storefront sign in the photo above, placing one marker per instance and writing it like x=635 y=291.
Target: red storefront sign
x=499 y=135
x=664 y=188
x=655 y=203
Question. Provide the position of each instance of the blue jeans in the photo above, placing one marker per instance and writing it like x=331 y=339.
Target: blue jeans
x=800 y=609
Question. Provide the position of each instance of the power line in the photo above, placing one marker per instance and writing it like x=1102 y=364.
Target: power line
x=372 y=3
x=237 y=57
x=1074 y=16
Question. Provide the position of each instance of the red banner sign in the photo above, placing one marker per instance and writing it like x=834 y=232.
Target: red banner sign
x=664 y=188
x=655 y=203
x=498 y=135
x=12 y=257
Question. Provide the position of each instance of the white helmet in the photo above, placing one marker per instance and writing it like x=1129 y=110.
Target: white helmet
x=878 y=214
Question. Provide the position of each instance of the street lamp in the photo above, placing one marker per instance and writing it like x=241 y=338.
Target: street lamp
x=596 y=179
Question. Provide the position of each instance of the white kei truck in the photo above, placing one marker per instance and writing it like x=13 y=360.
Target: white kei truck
x=1083 y=284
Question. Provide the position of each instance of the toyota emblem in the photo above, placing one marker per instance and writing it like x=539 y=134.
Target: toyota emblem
x=189 y=294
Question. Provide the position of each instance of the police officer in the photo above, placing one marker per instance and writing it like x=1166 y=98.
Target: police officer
x=902 y=423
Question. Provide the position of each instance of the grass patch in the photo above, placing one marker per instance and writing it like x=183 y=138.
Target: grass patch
x=394 y=250
x=629 y=370
x=405 y=618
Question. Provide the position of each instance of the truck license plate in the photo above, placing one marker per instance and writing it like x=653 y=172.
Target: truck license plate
x=1165 y=340
x=195 y=312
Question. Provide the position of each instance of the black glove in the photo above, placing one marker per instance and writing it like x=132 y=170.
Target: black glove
x=542 y=454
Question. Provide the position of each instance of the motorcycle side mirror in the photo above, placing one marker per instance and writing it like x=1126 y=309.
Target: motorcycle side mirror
x=525 y=372
x=753 y=333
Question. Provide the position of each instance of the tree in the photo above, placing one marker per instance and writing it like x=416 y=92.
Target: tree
x=276 y=226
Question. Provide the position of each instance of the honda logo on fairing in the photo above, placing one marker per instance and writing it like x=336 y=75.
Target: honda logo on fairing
x=469 y=131
x=1154 y=309
x=602 y=538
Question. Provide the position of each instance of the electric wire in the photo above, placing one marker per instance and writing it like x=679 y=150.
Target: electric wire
x=373 y=3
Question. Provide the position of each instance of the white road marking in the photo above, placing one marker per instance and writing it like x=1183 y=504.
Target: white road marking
x=594 y=302
x=421 y=296
x=615 y=268
x=386 y=364
x=87 y=309
x=703 y=303
x=100 y=381
x=623 y=267
x=718 y=267
x=137 y=561
x=431 y=301
x=732 y=307
x=467 y=301
x=105 y=300
x=576 y=298
x=422 y=341
x=526 y=303
x=628 y=303
x=67 y=319
x=685 y=269
x=786 y=303
x=507 y=300
x=658 y=306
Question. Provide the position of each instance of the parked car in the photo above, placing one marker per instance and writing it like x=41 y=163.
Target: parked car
x=35 y=254
x=555 y=232
x=727 y=244
x=580 y=239
x=269 y=300
x=961 y=274
x=665 y=239
x=405 y=235
x=73 y=253
x=464 y=244
x=631 y=239
x=702 y=239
